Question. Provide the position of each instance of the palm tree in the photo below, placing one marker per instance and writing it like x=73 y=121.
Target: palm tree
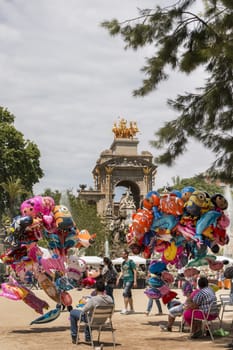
x=14 y=189
x=176 y=180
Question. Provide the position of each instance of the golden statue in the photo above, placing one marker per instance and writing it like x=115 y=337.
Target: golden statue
x=146 y=170
x=109 y=169
x=122 y=131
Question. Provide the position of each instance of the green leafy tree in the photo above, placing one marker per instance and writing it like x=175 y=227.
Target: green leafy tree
x=86 y=217
x=56 y=195
x=200 y=183
x=13 y=189
x=19 y=158
x=185 y=39
x=176 y=180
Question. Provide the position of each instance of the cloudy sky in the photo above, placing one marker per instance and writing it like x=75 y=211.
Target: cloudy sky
x=67 y=81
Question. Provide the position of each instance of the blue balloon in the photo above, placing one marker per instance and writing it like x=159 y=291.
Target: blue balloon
x=64 y=283
x=188 y=189
x=157 y=214
x=149 y=194
x=147 y=237
x=155 y=282
x=157 y=267
x=167 y=222
x=177 y=193
x=206 y=219
x=48 y=317
x=71 y=240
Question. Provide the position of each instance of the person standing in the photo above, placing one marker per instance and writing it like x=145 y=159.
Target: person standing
x=109 y=274
x=100 y=299
x=129 y=275
x=150 y=302
x=150 y=305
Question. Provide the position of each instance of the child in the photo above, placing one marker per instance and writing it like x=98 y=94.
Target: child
x=175 y=308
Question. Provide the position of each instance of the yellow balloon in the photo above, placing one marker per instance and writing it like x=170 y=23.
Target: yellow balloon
x=214 y=287
x=170 y=252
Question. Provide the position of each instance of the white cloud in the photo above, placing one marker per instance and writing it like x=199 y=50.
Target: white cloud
x=66 y=81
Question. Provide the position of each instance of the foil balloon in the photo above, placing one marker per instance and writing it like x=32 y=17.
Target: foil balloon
x=219 y=201
x=186 y=193
x=166 y=221
x=157 y=267
x=63 y=217
x=196 y=202
x=142 y=220
x=169 y=296
x=167 y=277
x=207 y=219
x=152 y=293
x=85 y=239
x=48 y=286
x=37 y=206
x=12 y=292
x=66 y=298
x=171 y=204
x=48 y=317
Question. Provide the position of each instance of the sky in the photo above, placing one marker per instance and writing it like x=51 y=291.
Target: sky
x=67 y=81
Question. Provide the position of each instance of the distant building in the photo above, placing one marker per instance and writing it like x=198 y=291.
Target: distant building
x=121 y=165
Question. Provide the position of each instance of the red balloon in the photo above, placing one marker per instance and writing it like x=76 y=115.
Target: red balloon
x=66 y=298
x=169 y=296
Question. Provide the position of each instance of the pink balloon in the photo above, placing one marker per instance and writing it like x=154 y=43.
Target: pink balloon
x=50 y=264
x=88 y=281
x=13 y=292
x=37 y=205
x=10 y=295
x=224 y=221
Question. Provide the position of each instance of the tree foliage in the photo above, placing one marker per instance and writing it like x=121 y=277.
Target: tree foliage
x=200 y=183
x=184 y=39
x=13 y=189
x=56 y=195
x=19 y=159
x=86 y=217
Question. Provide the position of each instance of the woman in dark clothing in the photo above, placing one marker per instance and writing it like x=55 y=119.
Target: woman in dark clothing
x=109 y=274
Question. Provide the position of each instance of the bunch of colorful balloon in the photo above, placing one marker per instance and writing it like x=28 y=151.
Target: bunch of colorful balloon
x=180 y=225
x=41 y=219
x=159 y=281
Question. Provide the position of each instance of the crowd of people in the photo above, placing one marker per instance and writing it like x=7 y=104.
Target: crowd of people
x=199 y=299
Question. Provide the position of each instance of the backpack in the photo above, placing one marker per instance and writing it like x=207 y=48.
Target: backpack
x=228 y=273
x=110 y=276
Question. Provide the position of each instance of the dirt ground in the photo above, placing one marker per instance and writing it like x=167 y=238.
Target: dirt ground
x=135 y=331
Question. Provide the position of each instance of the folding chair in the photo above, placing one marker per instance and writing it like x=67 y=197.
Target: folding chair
x=182 y=325
x=100 y=320
x=227 y=305
x=207 y=324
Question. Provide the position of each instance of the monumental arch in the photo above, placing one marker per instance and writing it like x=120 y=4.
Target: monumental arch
x=120 y=165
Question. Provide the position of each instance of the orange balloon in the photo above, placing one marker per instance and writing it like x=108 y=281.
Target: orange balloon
x=142 y=220
x=85 y=239
x=170 y=204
